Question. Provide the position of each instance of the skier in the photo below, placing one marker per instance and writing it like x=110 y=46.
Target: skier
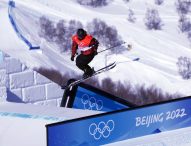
x=88 y=46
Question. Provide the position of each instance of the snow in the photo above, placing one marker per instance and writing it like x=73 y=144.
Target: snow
x=23 y=124
x=179 y=137
x=158 y=50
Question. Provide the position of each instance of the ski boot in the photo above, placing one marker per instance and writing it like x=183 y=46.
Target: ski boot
x=88 y=72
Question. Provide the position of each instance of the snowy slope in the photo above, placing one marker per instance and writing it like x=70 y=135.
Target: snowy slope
x=23 y=124
x=158 y=50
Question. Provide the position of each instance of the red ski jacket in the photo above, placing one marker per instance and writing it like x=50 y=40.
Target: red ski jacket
x=87 y=46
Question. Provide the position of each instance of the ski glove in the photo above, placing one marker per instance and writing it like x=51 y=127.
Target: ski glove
x=72 y=58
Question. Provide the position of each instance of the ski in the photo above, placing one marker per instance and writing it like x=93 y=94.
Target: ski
x=104 y=69
x=101 y=70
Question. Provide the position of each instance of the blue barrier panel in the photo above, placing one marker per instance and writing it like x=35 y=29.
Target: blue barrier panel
x=15 y=27
x=121 y=125
x=89 y=100
x=87 y=97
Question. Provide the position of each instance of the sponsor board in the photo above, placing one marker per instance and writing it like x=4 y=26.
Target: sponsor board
x=121 y=125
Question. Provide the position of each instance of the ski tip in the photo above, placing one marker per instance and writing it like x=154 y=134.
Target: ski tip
x=113 y=63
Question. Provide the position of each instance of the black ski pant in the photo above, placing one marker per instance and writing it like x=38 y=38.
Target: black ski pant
x=82 y=61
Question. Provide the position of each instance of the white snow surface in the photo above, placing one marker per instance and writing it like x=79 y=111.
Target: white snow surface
x=158 y=50
x=178 y=137
x=24 y=124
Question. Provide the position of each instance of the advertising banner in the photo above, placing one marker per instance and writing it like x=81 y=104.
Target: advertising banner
x=89 y=100
x=121 y=125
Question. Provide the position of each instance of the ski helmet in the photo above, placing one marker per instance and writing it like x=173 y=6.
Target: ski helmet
x=81 y=33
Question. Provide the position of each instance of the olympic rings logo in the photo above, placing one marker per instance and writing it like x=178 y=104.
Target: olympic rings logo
x=102 y=129
x=90 y=103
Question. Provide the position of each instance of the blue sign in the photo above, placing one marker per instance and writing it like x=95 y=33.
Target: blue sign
x=121 y=125
x=89 y=100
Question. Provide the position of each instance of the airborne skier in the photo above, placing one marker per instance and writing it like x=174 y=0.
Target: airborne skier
x=88 y=46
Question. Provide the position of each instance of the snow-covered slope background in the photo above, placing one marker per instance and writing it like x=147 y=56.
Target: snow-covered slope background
x=50 y=24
